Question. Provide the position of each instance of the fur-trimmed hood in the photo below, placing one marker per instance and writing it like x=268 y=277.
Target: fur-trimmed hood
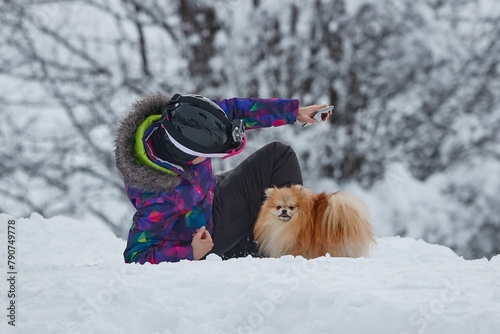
x=134 y=173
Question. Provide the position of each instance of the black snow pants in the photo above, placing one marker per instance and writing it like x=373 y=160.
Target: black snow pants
x=240 y=193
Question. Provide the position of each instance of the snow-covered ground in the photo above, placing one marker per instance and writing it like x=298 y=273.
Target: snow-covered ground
x=72 y=279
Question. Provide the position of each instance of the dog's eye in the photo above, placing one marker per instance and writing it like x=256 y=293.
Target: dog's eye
x=290 y=207
x=278 y=207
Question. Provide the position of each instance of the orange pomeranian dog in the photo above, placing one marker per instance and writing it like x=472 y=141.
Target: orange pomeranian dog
x=296 y=221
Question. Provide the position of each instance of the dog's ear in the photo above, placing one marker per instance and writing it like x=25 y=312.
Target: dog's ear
x=298 y=187
x=269 y=191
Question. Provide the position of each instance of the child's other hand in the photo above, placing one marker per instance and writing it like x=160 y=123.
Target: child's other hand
x=202 y=243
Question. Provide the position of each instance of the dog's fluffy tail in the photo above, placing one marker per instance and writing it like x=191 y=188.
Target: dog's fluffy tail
x=347 y=222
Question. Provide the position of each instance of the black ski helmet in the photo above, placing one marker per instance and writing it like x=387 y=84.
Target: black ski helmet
x=198 y=127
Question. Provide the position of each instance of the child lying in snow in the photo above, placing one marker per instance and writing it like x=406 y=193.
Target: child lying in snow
x=184 y=211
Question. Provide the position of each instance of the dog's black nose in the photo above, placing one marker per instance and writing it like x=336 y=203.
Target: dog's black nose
x=283 y=211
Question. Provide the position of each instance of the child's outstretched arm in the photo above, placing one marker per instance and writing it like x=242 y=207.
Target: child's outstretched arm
x=258 y=113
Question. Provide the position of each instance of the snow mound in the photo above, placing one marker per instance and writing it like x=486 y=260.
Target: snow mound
x=72 y=279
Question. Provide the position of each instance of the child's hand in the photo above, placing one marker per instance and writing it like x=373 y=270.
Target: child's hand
x=306 y=114
x=202 y=243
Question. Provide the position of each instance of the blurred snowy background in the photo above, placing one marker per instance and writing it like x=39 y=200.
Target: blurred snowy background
x=415 y=86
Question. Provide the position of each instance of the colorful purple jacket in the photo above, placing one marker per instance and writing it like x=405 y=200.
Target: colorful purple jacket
x=170 y=207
